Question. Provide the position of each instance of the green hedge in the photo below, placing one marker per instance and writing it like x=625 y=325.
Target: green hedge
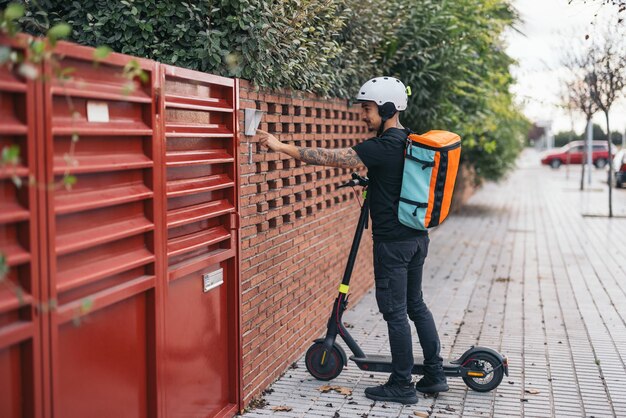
x=449 y=52
x=310 y=45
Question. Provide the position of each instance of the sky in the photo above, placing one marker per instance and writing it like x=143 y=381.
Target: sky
x=547 y=30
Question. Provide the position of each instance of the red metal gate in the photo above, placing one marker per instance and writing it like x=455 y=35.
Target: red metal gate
x=201 y=197
x=102 y=241
x=127 y=246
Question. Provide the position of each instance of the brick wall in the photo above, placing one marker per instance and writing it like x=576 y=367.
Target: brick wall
x=296 y=231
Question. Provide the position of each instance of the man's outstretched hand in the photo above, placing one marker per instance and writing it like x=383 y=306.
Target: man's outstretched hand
x=269 y=141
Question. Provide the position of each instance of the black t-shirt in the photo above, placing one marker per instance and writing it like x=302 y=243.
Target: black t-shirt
x=384 y=158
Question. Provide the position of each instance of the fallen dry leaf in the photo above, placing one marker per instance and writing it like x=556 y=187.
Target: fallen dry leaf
x=421 y=414
x=532 y=391
x=281 y=408
x=344 y=391
x=338 y=389
x=449 y=408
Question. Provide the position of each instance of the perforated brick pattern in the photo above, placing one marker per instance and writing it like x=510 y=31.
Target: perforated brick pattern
x=296 y=230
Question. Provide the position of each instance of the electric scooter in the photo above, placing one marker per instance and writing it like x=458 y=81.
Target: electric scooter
x=481 y=368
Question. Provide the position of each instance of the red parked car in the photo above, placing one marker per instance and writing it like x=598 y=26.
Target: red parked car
x=573 y=153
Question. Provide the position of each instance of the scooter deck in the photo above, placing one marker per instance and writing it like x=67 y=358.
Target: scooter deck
x=382 y=363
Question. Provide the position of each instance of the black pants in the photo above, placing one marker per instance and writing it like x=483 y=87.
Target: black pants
x=398 y=274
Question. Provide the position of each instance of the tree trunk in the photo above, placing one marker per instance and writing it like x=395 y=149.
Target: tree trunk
x=569 y=141
x=608 y=138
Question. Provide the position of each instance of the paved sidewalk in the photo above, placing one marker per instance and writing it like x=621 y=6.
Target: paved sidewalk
x=521 y=271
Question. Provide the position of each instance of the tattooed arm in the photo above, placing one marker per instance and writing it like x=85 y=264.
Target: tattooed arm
x=344 y=157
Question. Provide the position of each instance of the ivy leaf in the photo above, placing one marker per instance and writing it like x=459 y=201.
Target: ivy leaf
x=102 y=52
x=38 y=47
x=69 y=181
x=14 y=11
x=64 y=74
x=11 y=155
x=60 y=31
x=143 y=76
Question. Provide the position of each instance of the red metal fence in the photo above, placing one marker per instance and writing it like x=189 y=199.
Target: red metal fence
x=122 y=297
x=20 y=325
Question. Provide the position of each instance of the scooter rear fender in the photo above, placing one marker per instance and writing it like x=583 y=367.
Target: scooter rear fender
x=475 y=350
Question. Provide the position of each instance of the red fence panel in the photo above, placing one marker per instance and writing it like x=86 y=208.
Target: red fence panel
x=122 y=297
x=201 y=195
x=20 y=348
x=102 y=238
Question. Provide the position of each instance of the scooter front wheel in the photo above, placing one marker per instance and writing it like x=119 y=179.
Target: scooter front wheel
x=485 y=372
x=324 y=364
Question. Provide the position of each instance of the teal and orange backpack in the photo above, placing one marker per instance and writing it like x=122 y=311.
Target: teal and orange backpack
x=431 y=162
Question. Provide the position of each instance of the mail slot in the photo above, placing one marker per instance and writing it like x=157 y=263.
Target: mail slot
x=213 y=279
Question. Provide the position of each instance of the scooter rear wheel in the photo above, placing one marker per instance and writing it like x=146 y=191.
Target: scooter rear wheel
x=324 y=364
x=488 y=364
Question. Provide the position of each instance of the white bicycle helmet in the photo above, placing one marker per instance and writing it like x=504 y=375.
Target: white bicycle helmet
x=383 y=90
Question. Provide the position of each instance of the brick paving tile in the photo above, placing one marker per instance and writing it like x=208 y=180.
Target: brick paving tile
x=518 y=269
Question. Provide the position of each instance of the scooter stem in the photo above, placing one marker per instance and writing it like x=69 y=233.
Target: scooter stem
x=356 y=242
x=335 y=322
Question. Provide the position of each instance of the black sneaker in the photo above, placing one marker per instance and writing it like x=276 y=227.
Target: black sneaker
x=393 y=392
x=431 y=384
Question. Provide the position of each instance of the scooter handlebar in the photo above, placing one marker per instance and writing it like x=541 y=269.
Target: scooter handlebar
x=356 y=181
